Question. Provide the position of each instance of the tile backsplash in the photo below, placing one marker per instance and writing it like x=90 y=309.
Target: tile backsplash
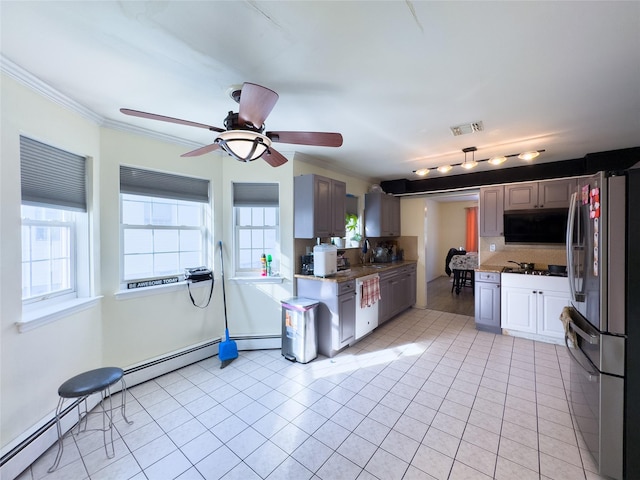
x=541 y=255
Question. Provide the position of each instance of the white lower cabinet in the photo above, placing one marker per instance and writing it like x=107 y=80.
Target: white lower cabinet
x=530 y=306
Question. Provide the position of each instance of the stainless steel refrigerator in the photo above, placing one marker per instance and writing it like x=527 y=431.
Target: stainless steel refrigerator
x=603 y=263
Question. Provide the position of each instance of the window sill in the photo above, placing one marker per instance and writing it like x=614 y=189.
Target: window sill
x=36 y=317
x=158 y=289
x=252 y=280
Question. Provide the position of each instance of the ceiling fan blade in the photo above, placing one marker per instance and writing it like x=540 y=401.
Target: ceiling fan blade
x=274 y=158
x=162 y=118
x=321 y=139
x=201 y=151
x=256 y=103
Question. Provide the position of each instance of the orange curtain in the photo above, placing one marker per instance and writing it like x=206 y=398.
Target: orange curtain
x=472 y=229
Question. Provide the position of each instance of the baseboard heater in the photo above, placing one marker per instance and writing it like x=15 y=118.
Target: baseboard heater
x=26 y=449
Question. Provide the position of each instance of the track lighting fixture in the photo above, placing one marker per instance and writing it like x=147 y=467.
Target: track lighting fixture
x=468 y=165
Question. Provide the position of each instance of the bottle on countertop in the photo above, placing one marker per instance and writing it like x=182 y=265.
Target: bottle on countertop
x=263 y=262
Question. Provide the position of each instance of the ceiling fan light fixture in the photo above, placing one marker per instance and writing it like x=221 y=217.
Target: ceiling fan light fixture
x=528 y=155
x=497 y=160
x=444 y=168
x=244 y=145
x=422 y=172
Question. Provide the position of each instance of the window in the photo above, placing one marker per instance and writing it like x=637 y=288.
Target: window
x=55 y=261
x=164 y=224
x=257 y=218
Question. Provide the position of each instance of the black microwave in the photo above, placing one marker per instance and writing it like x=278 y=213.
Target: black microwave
x=545 y=226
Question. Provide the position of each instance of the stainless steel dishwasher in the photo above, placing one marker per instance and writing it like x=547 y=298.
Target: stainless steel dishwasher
x=487 y=301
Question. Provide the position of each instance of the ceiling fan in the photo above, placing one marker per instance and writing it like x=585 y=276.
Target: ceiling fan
x=243 y=136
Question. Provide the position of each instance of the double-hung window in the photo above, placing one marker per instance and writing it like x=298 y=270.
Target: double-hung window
x=55 y=259
x=256 y=214
x=164 y=224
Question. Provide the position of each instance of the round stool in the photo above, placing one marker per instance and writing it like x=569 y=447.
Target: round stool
x=81 y=387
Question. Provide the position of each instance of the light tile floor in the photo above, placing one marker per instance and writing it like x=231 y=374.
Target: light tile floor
x=425 y=396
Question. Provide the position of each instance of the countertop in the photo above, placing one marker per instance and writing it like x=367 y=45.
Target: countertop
x=358 y=271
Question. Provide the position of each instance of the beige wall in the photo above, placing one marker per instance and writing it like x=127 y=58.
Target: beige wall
x=35 y=363
x=413 y=211
x=139 y=328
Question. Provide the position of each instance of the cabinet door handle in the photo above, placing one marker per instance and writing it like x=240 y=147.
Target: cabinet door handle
x=534 y=292
x=540 y=293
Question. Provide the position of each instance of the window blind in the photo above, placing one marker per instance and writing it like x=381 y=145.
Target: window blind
x=51 y=177
x=255 y=194
x=138 y=181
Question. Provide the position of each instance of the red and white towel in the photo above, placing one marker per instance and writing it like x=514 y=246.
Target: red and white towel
x=370 y=292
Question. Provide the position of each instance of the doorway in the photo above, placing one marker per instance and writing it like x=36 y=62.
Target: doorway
x=445 y=228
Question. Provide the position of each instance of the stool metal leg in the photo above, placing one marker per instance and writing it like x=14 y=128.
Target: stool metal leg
x=60 y=443
x=107 y=414
x=124 y=402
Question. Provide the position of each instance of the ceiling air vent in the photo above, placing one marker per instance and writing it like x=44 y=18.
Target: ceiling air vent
x=467 y=128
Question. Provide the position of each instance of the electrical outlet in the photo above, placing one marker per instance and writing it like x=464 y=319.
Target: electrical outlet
x=492 y=247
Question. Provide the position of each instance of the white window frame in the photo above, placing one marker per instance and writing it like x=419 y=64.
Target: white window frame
x=56 y=179
x=203 y=228
x=250 y=193
x=163 y=187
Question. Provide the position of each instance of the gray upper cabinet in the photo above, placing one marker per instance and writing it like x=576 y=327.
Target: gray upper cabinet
x=555 y=193
x=319 y=207
x=491 y=211
x=548 y=194
x=382 y=215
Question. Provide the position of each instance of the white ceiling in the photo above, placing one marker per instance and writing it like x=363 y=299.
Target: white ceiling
x=391 y=76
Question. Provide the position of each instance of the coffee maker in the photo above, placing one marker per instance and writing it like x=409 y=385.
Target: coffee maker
x=307 y=264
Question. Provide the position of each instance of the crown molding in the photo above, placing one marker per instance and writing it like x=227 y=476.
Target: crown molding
x=34 y=83
x=29 y=80
x=163 y=137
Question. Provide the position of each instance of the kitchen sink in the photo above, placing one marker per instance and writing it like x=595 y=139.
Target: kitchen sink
x=374 y=266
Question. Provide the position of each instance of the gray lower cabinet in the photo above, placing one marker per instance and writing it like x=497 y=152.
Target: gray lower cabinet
x=385 y=307
x=487 y=301
x=397 y=292
x=336 y=318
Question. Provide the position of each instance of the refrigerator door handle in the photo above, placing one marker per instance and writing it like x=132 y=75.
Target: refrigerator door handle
x=571 y=272
x=590 y=376
x=591 y=339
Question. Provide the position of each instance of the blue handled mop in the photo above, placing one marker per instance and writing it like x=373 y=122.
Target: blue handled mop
x=227 y=350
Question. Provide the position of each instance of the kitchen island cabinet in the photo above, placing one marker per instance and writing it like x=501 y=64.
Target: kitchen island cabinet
x=531 y=306
x=381 y=215
x=319 y=207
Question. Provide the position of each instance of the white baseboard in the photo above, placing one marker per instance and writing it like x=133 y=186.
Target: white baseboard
x=18 y=455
